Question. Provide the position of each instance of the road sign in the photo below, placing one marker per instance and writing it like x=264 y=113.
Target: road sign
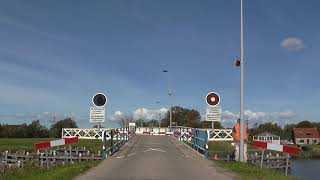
x=213 y=113
x=212 y=99
x=97 y=114
x=99 y=99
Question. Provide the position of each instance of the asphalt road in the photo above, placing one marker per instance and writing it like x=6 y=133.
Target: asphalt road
x=154 y=158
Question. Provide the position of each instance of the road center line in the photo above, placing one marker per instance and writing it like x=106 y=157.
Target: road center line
x=131 y=154
x=119 y=157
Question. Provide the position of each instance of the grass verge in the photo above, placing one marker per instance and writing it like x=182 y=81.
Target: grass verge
x=252 y=172
x=65 y=172
x=27 y=144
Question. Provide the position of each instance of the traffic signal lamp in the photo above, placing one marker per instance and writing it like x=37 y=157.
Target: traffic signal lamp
x=213 y=99
x=99 y=99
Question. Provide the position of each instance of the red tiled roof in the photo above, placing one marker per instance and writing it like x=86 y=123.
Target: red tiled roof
x=306 y=133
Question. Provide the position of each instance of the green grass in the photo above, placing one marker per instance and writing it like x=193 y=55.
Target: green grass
x=65 y=172
x=250 y=171
x=28 y=144
x=221 y=148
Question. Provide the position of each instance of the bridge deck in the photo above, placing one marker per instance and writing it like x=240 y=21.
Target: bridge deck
x=156 y=157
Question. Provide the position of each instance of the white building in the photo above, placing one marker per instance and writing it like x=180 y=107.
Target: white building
x=267 y=137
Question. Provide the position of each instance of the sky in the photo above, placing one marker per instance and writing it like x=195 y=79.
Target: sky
x=55 y=55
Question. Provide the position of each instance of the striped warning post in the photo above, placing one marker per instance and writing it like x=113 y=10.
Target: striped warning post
x=277 y=147
x=59 y=142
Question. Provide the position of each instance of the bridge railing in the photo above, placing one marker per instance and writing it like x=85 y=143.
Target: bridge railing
x=196 y=138
x=113 y=139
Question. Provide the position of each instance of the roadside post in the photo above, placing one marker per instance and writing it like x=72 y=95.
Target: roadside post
x=97 y=113
x=213 y=112
x=261 y=159
x=287 y=163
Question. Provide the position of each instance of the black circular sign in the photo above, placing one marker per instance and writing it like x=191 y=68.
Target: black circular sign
x=99 y=99
x=213 y=99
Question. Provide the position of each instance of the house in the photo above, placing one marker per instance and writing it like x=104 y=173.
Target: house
x=306 y=135
x=267 y=137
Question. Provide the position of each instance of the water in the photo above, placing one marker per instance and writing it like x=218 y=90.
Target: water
x=306 y=169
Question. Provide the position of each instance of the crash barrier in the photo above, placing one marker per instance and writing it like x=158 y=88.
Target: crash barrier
x=113 y=139
x=194 y=137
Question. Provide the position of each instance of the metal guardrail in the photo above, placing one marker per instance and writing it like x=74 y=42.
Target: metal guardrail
x=198 y=138
x=113 y=139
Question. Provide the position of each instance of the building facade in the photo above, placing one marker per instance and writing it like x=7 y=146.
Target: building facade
x=267 y=137
x=306 y=136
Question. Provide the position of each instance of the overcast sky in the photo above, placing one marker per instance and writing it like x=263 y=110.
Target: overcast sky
x=54 y=55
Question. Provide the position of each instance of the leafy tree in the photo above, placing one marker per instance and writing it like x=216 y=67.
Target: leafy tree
x=208 y=124
x=35 y=130
x=182 y=117
x=305 y=124
x=55 y=129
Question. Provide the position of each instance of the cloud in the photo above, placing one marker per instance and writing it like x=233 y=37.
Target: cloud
x=144 y=113
x=147 y=114
x=292 y=43
x=26 y=27
x=228 y=118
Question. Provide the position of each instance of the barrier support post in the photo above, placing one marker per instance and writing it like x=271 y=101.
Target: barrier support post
x=287 y=164
x=261 y=159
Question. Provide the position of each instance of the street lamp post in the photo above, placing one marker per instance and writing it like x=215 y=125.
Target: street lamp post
x=170 y=94
x=241 y=147
x=157 y=102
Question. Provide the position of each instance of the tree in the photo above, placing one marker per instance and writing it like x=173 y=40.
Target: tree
x=268 y=127
x=208 y=124
x=305 y=124
x=55 y=129
x=182 y=117
x=35 y=130
x=124 y=119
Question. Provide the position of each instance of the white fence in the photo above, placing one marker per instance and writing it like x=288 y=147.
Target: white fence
x=93 y=133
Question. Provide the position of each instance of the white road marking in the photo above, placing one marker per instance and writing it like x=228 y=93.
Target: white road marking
x=119 y=157
x=131 y=154
x=154 y=149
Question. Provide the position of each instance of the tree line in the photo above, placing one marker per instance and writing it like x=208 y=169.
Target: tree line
x=181 y=117
x=35 y=129
x=285 y=132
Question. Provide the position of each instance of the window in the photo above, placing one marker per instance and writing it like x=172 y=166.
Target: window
x=315 y=141
x=255 y=138
x=276 y=138
x=308 y=141
x=261 y=138
x=301 y=141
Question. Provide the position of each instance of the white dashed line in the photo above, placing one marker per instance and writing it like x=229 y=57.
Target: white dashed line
x=119 y=157
x=131 y=154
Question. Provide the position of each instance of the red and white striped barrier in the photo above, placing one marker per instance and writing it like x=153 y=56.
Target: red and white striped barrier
x=277 y=147
x=154 y=133
x=59 y=142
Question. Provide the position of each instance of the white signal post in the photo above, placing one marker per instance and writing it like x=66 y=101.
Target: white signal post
x=97 y=113
x=213 y=112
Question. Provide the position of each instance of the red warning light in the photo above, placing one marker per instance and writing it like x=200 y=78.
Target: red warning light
x=213 y=99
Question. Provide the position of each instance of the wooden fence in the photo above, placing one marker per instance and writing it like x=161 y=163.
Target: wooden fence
x=47 y=159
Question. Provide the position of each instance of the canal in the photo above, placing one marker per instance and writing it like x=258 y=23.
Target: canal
x=305 y=169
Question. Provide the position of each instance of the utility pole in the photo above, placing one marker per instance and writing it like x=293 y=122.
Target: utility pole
x=170 y=95
x=241 y=147
x=141 y=118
